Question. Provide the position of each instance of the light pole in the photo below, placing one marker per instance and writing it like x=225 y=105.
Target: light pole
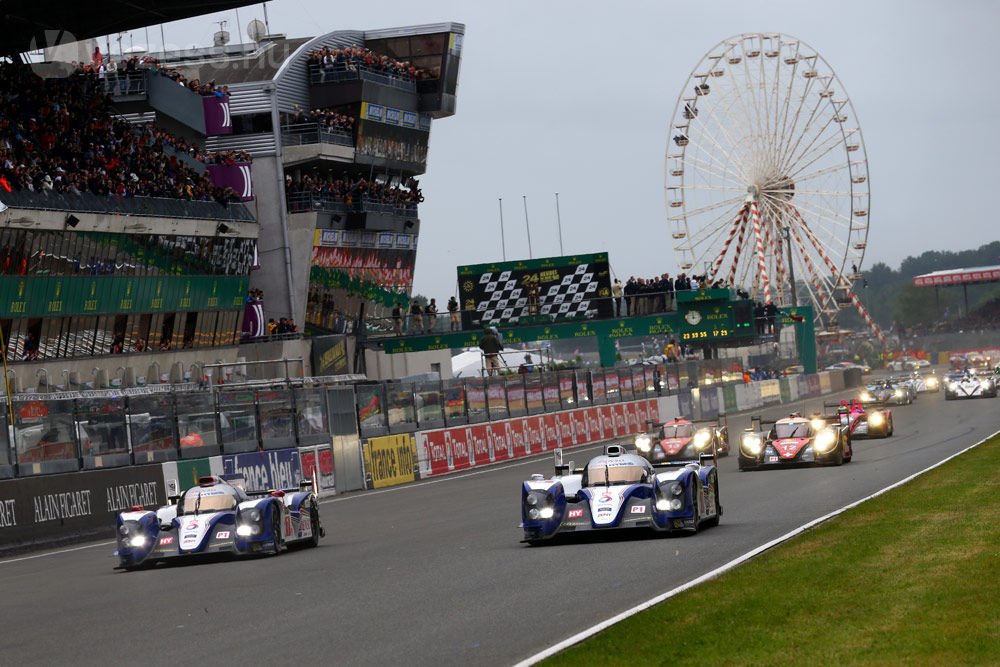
x=503 y=243
x=526 y=225
x=559 y=222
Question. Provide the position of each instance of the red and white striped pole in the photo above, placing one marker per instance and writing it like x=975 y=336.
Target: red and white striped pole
x=838 y=277
x=737 y=224
x=739 y=248
x=759 y=242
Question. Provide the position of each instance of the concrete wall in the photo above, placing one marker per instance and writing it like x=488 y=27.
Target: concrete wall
x=382 y=366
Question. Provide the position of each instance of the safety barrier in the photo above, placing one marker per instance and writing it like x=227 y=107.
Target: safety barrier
x=389 y=460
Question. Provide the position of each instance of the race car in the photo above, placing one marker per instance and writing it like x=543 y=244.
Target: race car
x=886 y=390
x=795 y=440
x=865 y=421
x=926 y=383
x=967 y=384
x=219 y=517
x=682 y=440
x=618 y=490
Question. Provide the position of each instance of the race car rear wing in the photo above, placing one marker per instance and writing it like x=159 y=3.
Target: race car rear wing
x=703 y=459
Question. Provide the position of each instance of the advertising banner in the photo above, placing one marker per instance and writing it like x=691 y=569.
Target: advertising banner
x=266 y=471
x=317 y=463
x=389 y=460
x=36 y=510
x=218 y=119
x=236 y=176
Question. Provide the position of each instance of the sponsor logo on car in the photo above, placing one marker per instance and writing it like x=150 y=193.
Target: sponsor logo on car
x=603 y=509
x=605 y=497
x=637 y=509
x=222 y=535
x=169 y=539
x=575 y=514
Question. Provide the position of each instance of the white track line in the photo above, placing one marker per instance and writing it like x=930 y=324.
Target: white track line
x=603 y=625
x=55 y=553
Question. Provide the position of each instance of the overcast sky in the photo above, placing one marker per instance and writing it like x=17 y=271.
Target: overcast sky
x=576 y=98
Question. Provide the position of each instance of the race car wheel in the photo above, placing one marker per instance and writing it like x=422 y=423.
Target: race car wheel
x=694 y=506
x=276 y=530
x=314 y=520
x=838 y=457
x=714 y=521
x=889 y=430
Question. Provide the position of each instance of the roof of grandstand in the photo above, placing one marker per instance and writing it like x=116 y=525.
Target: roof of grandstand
x=32 y=24
x=980 y=274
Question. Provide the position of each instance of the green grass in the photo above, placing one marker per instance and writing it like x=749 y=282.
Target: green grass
x=909 y=578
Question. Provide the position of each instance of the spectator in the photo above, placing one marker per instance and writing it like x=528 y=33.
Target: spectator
x=456 y=323
x=397 y=319
x=491 y=346
x=432 y=313
x=272 y=327
x=616 y=296
x=527 y=367
x=416 y=318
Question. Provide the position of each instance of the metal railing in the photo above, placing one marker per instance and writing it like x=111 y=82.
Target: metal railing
x=301 y=134
x=302 y=202
x=125 y=85
x=155 y=207
x=349 y=72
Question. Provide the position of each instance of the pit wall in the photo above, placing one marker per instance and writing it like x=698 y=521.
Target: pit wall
x=391 y=460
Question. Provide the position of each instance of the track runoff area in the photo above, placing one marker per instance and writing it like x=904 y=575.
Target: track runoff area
x=433 y=572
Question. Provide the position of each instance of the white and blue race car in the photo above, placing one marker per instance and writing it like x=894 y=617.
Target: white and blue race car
x=219 y=517
x=968 y=384
x=620 y=490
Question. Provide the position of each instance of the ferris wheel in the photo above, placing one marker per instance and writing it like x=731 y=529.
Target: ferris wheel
x=767 y=175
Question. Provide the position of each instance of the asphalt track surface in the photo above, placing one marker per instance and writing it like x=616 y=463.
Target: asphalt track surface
x=433 y=573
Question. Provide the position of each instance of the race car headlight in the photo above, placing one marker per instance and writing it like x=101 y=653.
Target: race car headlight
x=897 y=393
x=243 y=530
x=817 y=424
x=123 y=529
x=985 y=384
x=676 y=489
x=825 y=441
x=540 y=505
x=932 y=382
x=664 y=505
x=952 y=386
x=137 y=541
x=876 y=419
x=866 y=396
x=543 y=513
x=702 y=439
x=751 y=444
x=643 y=443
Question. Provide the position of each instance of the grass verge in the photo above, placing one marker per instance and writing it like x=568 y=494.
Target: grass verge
x=909 y=578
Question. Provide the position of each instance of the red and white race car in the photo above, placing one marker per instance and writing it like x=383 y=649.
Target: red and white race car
x=795 y=441
x=864 y=420
x=683 y=440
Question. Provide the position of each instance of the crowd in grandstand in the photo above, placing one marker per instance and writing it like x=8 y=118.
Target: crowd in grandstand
x=351 y=190
x=56 y=135
x=645 y=296
x=352 y=58
x=325 y=118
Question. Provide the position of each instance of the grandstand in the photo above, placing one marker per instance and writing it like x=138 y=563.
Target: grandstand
x=141 y=217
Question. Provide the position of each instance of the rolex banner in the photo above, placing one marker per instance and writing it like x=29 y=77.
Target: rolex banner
x=537 y=290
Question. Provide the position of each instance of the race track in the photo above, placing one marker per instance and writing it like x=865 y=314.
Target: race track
x=433 y=573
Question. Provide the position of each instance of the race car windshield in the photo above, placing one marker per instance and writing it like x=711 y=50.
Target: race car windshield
x=602 y=474
x=792 y=430
x=678 y=430
x=198 y=500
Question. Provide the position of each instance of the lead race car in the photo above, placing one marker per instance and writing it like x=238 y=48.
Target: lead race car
x=618 y=490
x=219 y=516
x=795 y=441
x=682 y=440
